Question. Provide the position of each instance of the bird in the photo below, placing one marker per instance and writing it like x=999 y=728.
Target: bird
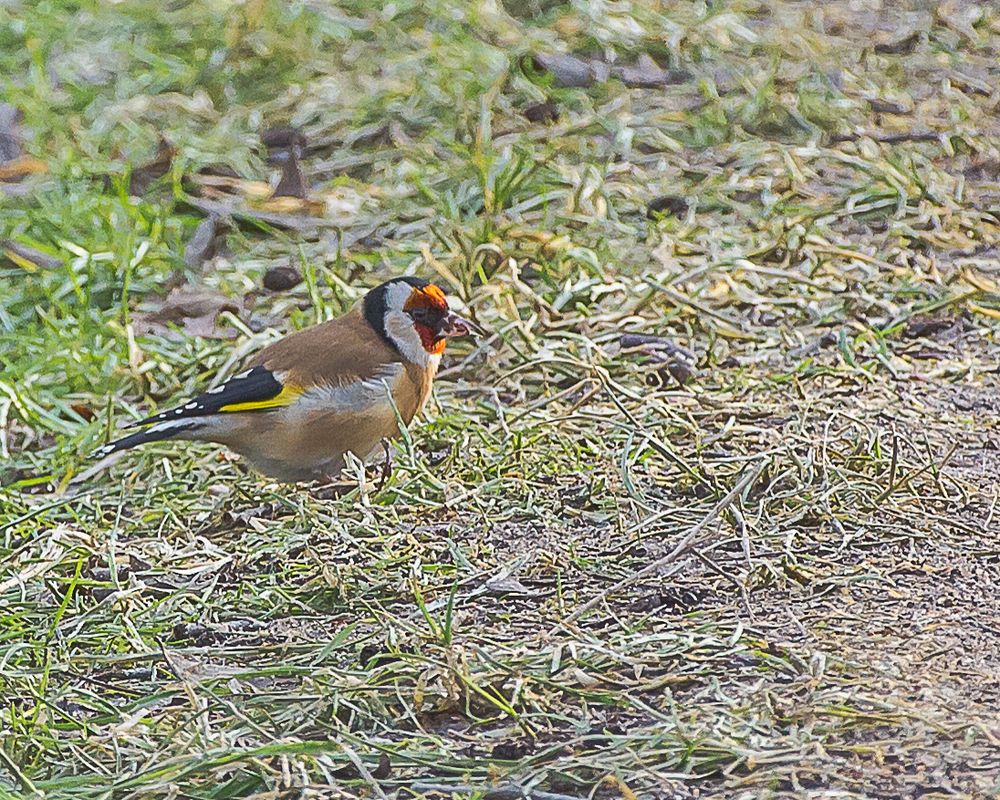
x=305 y=401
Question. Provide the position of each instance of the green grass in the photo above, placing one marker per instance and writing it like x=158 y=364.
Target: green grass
x=180 y=626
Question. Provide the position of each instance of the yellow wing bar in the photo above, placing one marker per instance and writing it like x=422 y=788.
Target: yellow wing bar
x=285 y=397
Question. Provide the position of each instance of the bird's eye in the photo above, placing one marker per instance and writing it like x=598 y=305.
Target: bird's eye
x=424 y=316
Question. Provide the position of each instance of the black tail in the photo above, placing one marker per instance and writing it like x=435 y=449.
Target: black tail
x=156 y=433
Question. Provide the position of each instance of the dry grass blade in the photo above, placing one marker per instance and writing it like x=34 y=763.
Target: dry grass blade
x=491 y=792
x=680 y=549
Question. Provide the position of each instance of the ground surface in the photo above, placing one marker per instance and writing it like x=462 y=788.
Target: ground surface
x=804 y=195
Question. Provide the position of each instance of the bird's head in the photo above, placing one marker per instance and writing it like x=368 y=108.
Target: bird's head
x=413 y=316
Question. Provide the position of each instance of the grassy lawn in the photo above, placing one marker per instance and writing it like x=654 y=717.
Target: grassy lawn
x=709 y=513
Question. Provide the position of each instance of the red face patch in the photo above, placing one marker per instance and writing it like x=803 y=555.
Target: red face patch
x=429 y=296
x=430 y=305
x=429 y=339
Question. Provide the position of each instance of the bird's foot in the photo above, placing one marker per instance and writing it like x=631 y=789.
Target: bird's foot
x=333 y=485
x=330 y=487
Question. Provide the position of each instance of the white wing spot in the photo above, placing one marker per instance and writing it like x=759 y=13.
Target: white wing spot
x=178 y=410
x=242 y=375
x=191 y=405
x=217 y=389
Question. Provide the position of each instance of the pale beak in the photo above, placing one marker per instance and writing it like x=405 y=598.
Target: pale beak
x=453 y=325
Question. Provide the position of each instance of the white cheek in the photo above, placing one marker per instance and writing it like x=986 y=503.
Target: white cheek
x=400 y=328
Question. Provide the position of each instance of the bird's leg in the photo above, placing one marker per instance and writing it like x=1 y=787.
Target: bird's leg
x=386 y=467
x=330 y=482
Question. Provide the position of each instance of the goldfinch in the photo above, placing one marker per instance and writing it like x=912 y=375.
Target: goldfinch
x=337 y=387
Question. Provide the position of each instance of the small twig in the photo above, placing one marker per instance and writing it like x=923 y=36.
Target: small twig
x=906 y=479
x=887 y=138
x=713 y=567
x=682 y=547
x=894 y=461
x=741 y=529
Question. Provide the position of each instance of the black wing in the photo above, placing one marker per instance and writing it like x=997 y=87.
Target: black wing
x=256 y=389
